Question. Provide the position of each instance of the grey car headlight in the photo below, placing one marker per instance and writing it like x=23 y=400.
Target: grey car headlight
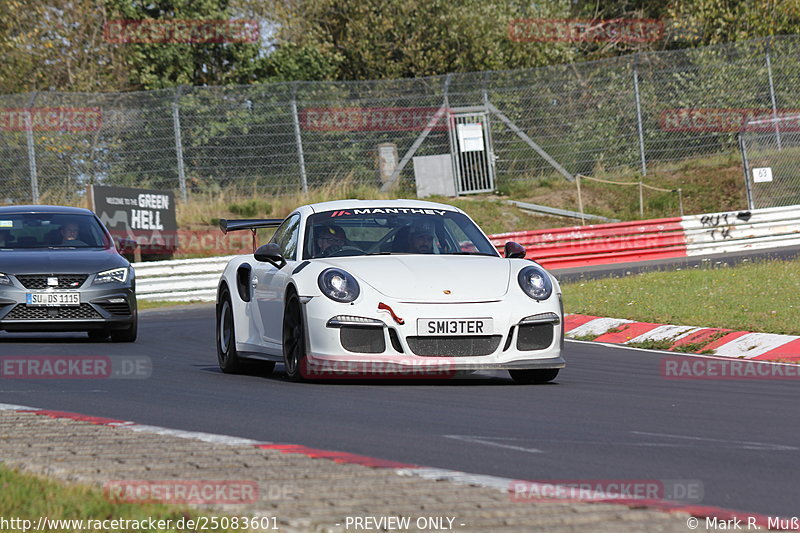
x=535 y=282
x=117 y=275
x=338 y=285
x=4 y=280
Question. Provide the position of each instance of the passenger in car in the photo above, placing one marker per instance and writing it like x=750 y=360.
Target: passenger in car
x=420 y=239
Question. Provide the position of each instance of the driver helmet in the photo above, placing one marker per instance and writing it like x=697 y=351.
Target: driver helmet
x=331 y=231
x=422 y=228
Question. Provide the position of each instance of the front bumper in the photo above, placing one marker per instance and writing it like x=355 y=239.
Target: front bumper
x=383 y=345
x=102 y=307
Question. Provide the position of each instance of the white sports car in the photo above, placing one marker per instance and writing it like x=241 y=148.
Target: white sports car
x=390 y=288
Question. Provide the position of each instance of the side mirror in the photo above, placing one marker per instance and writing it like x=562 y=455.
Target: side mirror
x=270 y=253
x=514 y=250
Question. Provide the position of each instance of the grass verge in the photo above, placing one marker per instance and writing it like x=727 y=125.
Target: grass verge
x=709 y=184
x=29 y=497
x=755 y=296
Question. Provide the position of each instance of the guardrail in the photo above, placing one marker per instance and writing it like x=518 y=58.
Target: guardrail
x=737 y=231
x=645 y=240
x=543 y=209
x=598 y=244
x=576 y=246
x=180 y=280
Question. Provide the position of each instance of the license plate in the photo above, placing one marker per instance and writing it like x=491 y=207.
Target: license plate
x=54 y=299
x=454 y=326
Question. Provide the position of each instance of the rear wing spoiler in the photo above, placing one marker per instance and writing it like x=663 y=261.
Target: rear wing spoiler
x=248 y=223
x=253 y=224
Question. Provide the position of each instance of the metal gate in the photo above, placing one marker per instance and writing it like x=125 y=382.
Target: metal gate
x=471 y=150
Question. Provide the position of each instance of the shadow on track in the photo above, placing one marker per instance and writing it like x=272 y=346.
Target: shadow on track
x=256 y=369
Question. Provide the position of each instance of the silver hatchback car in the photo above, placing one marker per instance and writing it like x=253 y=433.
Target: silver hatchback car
x=60 y=271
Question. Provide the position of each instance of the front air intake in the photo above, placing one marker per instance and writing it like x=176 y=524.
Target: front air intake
x=362 y=339
x=534 y=337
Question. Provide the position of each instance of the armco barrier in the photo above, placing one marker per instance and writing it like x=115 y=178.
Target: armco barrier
x=179 y=280
x=619 y=242
x=645 y=240
x=577 y=246
x=738 y=231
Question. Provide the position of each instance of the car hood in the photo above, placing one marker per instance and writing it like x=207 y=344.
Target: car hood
x=426 y=278
x=70 y=261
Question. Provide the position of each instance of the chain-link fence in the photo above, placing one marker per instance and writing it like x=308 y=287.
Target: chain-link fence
x=631 y=112
x=772 y=164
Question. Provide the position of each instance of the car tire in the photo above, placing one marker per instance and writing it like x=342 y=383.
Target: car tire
x=97 y=334
x=536 y=377
x=294 y=339
x=227 y=356
x=128 y=334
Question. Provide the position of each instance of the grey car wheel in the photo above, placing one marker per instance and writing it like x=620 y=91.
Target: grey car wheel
x=128 y=334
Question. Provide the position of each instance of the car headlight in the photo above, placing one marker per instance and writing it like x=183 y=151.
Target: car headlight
x=535 y=282
x=338 y=285
x=4 y=280
x=117 y=275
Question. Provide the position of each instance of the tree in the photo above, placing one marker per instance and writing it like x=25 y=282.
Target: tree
x=375 y=39
x=56 y=45
x=721 y=21
x=179 y=61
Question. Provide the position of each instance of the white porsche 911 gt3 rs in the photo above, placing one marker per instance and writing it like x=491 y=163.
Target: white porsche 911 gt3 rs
x=397 y=288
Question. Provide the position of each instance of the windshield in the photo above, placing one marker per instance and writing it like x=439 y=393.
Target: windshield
x=50 y=230
x=384 y=231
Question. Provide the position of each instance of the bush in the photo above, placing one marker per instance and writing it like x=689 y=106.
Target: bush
x=250 y=208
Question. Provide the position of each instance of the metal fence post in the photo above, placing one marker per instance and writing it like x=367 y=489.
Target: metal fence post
x=31 y=150
x=641 y=200
x=176 y=124
x=772 y=95
x=455 y=161
x=639 y=112
x=746 y=168
x=299 y=139
x=485 y=90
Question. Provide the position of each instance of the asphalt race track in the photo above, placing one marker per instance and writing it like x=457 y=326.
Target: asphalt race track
x=610 y=415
